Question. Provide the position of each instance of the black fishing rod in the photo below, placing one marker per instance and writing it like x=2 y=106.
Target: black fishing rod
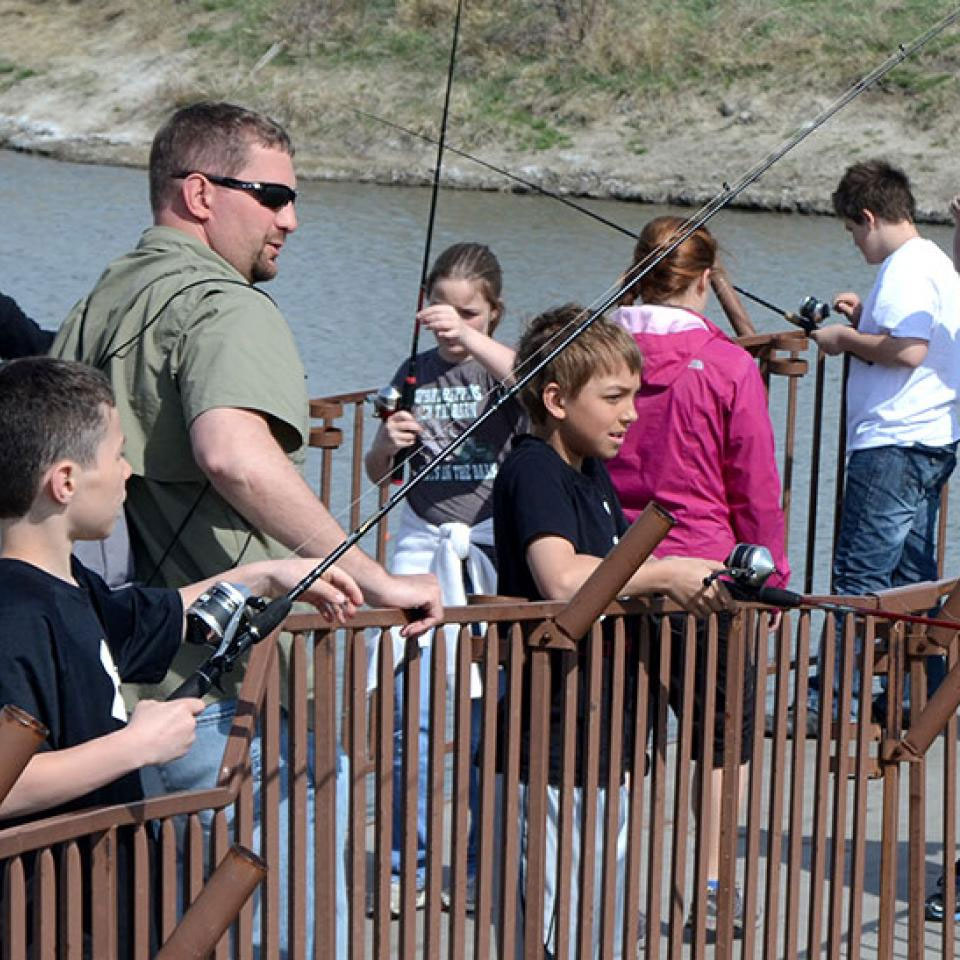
x=409 y=388
x=750 y=565
x=811 y=314
x=812 y=311
x=263 y=621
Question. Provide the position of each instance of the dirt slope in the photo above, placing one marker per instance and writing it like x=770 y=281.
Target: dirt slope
x=91 y=80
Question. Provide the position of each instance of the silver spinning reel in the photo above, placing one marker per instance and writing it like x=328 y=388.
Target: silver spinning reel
x=749 y=565
x=215 y=616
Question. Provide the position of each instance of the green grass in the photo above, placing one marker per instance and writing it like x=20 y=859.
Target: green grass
x=532 y=71
x=12 y=73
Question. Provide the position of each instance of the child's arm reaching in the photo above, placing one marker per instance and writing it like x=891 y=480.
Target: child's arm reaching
x=559 y=571
x=157 y=732
x=451 y=329
x=335 y=594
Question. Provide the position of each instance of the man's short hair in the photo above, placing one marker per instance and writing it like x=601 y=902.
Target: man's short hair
x=601 y=348
x=210 y=138
x=50 y=410
x=877 y=186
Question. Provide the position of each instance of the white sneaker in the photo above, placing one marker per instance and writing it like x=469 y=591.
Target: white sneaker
x=446 y=897
x=419 y=902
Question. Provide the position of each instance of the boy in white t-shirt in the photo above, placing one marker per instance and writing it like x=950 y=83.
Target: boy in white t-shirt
x=902 y=413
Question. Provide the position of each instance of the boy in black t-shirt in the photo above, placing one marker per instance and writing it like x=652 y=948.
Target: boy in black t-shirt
x=556 y=516
x=66 y=639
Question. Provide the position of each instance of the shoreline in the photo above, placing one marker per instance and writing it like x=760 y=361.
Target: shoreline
x=94 y=92
x=576 y=175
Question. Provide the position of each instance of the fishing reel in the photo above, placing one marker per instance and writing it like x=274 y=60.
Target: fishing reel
x=386 y=402
x=747 y=569
x=813 y=312
x=214 y=618
x=750 y=565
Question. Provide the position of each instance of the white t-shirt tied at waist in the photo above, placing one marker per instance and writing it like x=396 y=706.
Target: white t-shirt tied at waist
x=447 y=551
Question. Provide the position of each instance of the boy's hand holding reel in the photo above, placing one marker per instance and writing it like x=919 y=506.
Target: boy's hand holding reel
x=749 y=566
x=747 y=569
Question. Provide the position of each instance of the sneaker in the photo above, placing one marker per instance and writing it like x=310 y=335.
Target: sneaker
x=933 y=905
x=446 y=897
x=711 y=909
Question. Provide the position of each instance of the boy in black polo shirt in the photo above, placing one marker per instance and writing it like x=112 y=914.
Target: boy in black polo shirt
x=556 y=516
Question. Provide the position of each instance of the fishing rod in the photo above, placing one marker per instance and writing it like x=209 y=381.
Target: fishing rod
x=811 y=314
x=254 y=626
x=749 y=566
x=390 y=404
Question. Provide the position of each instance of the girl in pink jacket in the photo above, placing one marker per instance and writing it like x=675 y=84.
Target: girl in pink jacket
x=703 y=448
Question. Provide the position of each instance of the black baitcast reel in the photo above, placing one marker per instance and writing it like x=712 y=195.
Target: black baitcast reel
x=813 y=312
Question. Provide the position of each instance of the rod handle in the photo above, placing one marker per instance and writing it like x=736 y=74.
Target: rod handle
x=20 y=737
x=196 y=685
x=771 y=596
x=230 y=885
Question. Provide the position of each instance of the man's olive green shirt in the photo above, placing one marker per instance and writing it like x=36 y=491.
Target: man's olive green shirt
x=179 y=331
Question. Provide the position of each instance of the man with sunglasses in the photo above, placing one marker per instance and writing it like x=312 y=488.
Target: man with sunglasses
x=212 y=398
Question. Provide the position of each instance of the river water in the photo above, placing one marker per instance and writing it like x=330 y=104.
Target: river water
x=349 y=275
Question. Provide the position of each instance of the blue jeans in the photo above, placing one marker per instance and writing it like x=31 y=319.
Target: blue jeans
x=423 y=766
x=888 y=527
x=198 y=770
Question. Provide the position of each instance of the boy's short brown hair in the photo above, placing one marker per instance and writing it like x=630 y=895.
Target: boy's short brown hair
x=599 y=349
x=877 y=186
x=50 y=410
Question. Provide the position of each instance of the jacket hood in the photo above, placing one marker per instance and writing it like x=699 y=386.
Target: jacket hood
x=670 y=339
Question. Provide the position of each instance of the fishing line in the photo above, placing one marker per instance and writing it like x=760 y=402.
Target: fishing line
x=264 y=621
x=566 y=201
x=410 y=380
x=543 y=191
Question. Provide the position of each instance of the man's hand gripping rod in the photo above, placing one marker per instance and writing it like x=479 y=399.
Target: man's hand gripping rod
x=265 y=621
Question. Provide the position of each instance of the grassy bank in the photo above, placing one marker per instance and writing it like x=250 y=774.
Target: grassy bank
x=532 y=73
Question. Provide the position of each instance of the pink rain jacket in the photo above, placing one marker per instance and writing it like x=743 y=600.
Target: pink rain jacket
x=703 y=445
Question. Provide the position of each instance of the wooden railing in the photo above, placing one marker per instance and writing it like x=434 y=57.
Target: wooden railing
x=815 y=849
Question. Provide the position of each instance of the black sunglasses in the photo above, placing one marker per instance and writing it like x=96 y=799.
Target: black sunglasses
x=274 y=196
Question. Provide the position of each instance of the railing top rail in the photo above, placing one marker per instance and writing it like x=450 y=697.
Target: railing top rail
x=354 y=396
x=71 y=826
x=779 y=340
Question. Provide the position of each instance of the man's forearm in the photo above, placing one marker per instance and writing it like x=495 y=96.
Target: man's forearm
x=281 y=504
